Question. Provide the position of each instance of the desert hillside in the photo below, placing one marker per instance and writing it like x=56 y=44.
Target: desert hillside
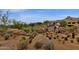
x=49 y=35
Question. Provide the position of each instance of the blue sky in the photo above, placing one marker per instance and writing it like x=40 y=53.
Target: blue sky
x=39 y=15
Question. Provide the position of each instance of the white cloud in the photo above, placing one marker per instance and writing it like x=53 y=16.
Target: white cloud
x=16 y=10
x=12 y=10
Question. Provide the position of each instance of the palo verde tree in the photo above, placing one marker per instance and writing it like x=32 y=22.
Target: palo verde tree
x=4 y=18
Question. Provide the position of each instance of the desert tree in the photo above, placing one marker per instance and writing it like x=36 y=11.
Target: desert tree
x=3 y=18
x=46 y=22
x=18 y=24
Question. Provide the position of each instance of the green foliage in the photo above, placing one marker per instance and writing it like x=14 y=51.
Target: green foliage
x=63 y=23
x=18 y=24
x=46 y=22
x=32 y=24
x=38 y=23
x=35 y=24
x=28 y=29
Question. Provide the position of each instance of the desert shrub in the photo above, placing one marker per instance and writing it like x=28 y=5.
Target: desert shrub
x=59 y=32
x=78 y=39
x=0 y=44
x=59 y=40
x=22 y=44
x=32 y=37
x=46 y=34
x=49 y=38
x=73 y=35
x=63 y=23
x=48 y=46
x=63 y=42
x=46 y=22
x=26 y=30
x=65 y=38
x=40 y=31
x=57 y=36
x=30 y=40
x=7 y=35
x=68 y=36
x=38 y=45
x=62 y=37
x=71 y=41
x=54 y=37
x=23 y=39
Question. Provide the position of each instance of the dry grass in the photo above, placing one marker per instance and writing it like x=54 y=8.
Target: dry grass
x=38 y=45
x=22 y=44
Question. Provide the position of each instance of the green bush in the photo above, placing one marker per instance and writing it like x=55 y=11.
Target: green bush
x=63 y=23
x=22 y=44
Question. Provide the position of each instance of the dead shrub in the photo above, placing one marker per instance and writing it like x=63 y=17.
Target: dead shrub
x=59 y=40
x=66 y=39
x=73 y=35
x=78 y=39
x=71 y=41
x=68 y=36
x=57 y=36
x=62 y=37
x=63 y=42
x=22 y=44
x=38 y=45
x=54 y=37
x=7 y=35
x=49 y=38
x=48 y=46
